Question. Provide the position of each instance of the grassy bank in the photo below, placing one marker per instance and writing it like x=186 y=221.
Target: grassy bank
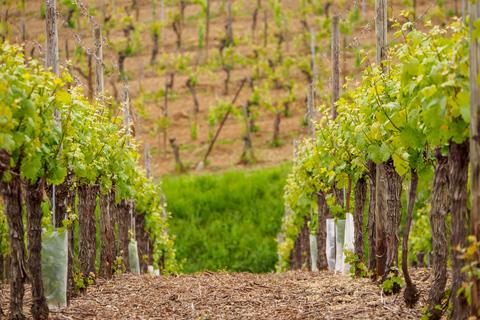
x=227 y=221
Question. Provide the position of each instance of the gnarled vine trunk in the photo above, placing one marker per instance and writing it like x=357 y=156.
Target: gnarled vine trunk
x=381 y=219
x=92 y=227
x=438 y=223
x=33 y=200
x=1 y=266
x=11 y=195
x=123 y=226
x=113 y=209
x=71 y=288
x=411 y=294
x=300 y=255
x=458 y=177
x=141 y=236
x=323 y=212
x=360 y=198
x=83 y=243
x=371 y=227
x=87 y=235
x=104 y=270
x=394 y=204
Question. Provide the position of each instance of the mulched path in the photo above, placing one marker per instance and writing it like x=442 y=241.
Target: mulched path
x=208 y=295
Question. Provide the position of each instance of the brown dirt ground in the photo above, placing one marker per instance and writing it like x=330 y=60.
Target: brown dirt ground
x=227 y=155
x=208 y=295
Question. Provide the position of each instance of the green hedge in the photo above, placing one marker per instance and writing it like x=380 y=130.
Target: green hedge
x=227 y=221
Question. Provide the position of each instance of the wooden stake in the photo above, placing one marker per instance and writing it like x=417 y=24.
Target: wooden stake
x=381 y=32
x=126 y=112
x=265 y=32
x=230 y=26
x=311 y=110
x=97 y=41
x=51 y=59
x=363 y=9
x=285 y=23
x=474 y=10
x=312 y=44
x=90 y=78
x=335 y=64
x=141 y=77
x=24 y=37
x=163 y=20
x=147 y=161
x=381 y=186
x=207 y=31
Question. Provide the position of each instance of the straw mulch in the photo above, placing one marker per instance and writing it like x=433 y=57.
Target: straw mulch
x=290 y=295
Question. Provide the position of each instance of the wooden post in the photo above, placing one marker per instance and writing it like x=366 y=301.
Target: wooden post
x=51 y=59
x=230 y=25
x=285 y=23
x=147 y=161
x=126 y=112
x=141 y=77
x=474 y=9
x=335 y=64
x=165 y=106
x=154 y=12
x=381 y=32
x=67 y=56
x=97 y=42
x=207 y=31
x=90 y=79
x=163 y=20
x=180 y=26
x=312 y=44
x=265 y=32
x=381 y=186
x=363 y=9
x=311 y=110
x=24 y=37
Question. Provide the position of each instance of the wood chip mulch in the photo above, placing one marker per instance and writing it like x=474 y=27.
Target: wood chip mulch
x=208 y=295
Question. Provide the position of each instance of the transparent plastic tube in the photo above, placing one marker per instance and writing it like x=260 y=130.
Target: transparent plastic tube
x=349 y=239
x=339 y=242
x=314 y=252
x=133 y=256
x=330 y=243
x=55 y=268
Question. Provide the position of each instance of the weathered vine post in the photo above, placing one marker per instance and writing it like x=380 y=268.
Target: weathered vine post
x=34 y=192
x=311 y=110
x=338 y=193
x=105 y=269
x=207 y=31
x=335 y=63
x=363 y=9
x=474 y=10
x=319 y=252
x=314 y=65
x=124 y=219
x=265 y=29
x=438 y=222
x=141 y=235
x=163 y=20
x=97 y=41
x=381 y=200
x=230 y=24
